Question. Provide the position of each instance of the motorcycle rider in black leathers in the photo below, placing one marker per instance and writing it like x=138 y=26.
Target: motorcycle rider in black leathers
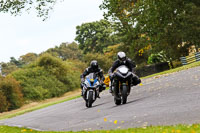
x=94 y=68
x=123 y=60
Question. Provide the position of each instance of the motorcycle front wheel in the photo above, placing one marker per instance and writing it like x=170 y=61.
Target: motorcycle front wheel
x=124 y=94
x=90 y=100
x=117 y=101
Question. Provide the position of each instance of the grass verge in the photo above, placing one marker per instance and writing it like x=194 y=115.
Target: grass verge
x=195 y=128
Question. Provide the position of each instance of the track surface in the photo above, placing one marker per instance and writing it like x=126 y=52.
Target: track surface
x=165 y=100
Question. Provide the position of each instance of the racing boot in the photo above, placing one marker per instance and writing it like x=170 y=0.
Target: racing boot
x=98 y=95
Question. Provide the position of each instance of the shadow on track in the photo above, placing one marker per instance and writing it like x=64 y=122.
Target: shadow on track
x=133 y=101
x=99 y=104
x=93 y=106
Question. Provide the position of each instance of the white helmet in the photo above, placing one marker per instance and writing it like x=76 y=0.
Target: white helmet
x=121 y=57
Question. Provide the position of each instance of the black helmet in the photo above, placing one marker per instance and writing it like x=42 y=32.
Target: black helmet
x=121 y=56
x=94 y=64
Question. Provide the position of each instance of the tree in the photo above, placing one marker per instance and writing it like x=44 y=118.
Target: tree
x=171 y=26
x=7 y=68
x=10 y=89
x=111 y=51
x=18 y=63
x=96 y=36
x=66 y=51
x=16 y=7
x=28 y=58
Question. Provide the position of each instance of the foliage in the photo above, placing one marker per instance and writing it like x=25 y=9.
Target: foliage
x=14 y=64
x=3 y=103
x=157 y=58
x=62 y=71
x=18 y=63
x=111 y=51
x=38 y=84
x=28 y=58
x=171 y=26
x=167 y=23
x=11 y=90
x=7 y=68
x=16 y=7
x=176 y=63
x=96 y=36
x=66 y=51
x=53 y=65
x=47 y=77
x=76 y=65
x=104 y=62
x=119 y=11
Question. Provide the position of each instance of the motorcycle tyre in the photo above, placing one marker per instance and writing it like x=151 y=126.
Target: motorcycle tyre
x=124 y=94
x=117 y=101
x=90 y=100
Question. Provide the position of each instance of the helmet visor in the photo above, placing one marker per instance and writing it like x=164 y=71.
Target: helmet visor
x=123 y=59
x=94 y=66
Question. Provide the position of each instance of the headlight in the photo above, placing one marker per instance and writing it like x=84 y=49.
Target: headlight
x=123 y=70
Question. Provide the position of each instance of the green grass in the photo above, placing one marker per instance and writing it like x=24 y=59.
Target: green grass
x=36 y=108
x=175 y=69
x=195 y=128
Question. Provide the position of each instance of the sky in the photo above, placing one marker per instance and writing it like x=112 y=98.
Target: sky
x=28 y=33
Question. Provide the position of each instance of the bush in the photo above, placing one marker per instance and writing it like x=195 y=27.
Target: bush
x=64 y=72
x=53 y=65
x=47 y=77
x=157 y=58
x=38 y=84
x=76 y=65
x=3 y=103
x=11 y=89
x=176 y=63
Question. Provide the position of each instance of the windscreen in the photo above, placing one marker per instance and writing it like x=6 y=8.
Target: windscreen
x=123 y=69
x=91 y=76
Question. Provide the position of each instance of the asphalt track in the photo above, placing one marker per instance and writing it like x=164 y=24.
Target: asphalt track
x=162 y=100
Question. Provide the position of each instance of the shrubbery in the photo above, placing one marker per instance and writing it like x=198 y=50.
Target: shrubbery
x=157 y=58
x=63 y=71
x=3 y=103
x=10 y=94
x=38 y=84
x=47 y=77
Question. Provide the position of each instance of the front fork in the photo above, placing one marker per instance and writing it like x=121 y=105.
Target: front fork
x=118 y=88
x=86 y=94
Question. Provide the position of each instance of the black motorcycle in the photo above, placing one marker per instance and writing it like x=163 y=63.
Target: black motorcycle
x=121 y=84
x=90 y=89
